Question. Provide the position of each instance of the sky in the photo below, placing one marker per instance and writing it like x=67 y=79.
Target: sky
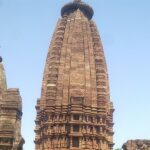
x=26 y=28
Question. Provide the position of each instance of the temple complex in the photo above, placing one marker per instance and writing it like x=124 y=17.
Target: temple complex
x=10 y=115
x=74 y=111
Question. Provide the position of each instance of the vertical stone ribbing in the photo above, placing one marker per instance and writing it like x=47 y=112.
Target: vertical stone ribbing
x=101 y=68
x=50 y=78
x=74 y=111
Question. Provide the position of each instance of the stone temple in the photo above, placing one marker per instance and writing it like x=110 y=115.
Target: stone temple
x=10 y=115
x=74 y=111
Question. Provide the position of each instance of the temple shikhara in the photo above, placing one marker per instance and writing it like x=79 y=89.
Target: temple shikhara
x=10 y=115
x=75 y=111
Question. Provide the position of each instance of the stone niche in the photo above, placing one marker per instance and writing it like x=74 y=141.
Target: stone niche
x=77 y=100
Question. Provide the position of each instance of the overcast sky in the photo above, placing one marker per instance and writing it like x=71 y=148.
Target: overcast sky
x=26 y=27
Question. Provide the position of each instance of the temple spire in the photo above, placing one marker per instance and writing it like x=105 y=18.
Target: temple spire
x=74 y=111
x=10 y=115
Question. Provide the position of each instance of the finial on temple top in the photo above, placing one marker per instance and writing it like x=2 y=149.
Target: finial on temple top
x=75 y=5
x=77 y=0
